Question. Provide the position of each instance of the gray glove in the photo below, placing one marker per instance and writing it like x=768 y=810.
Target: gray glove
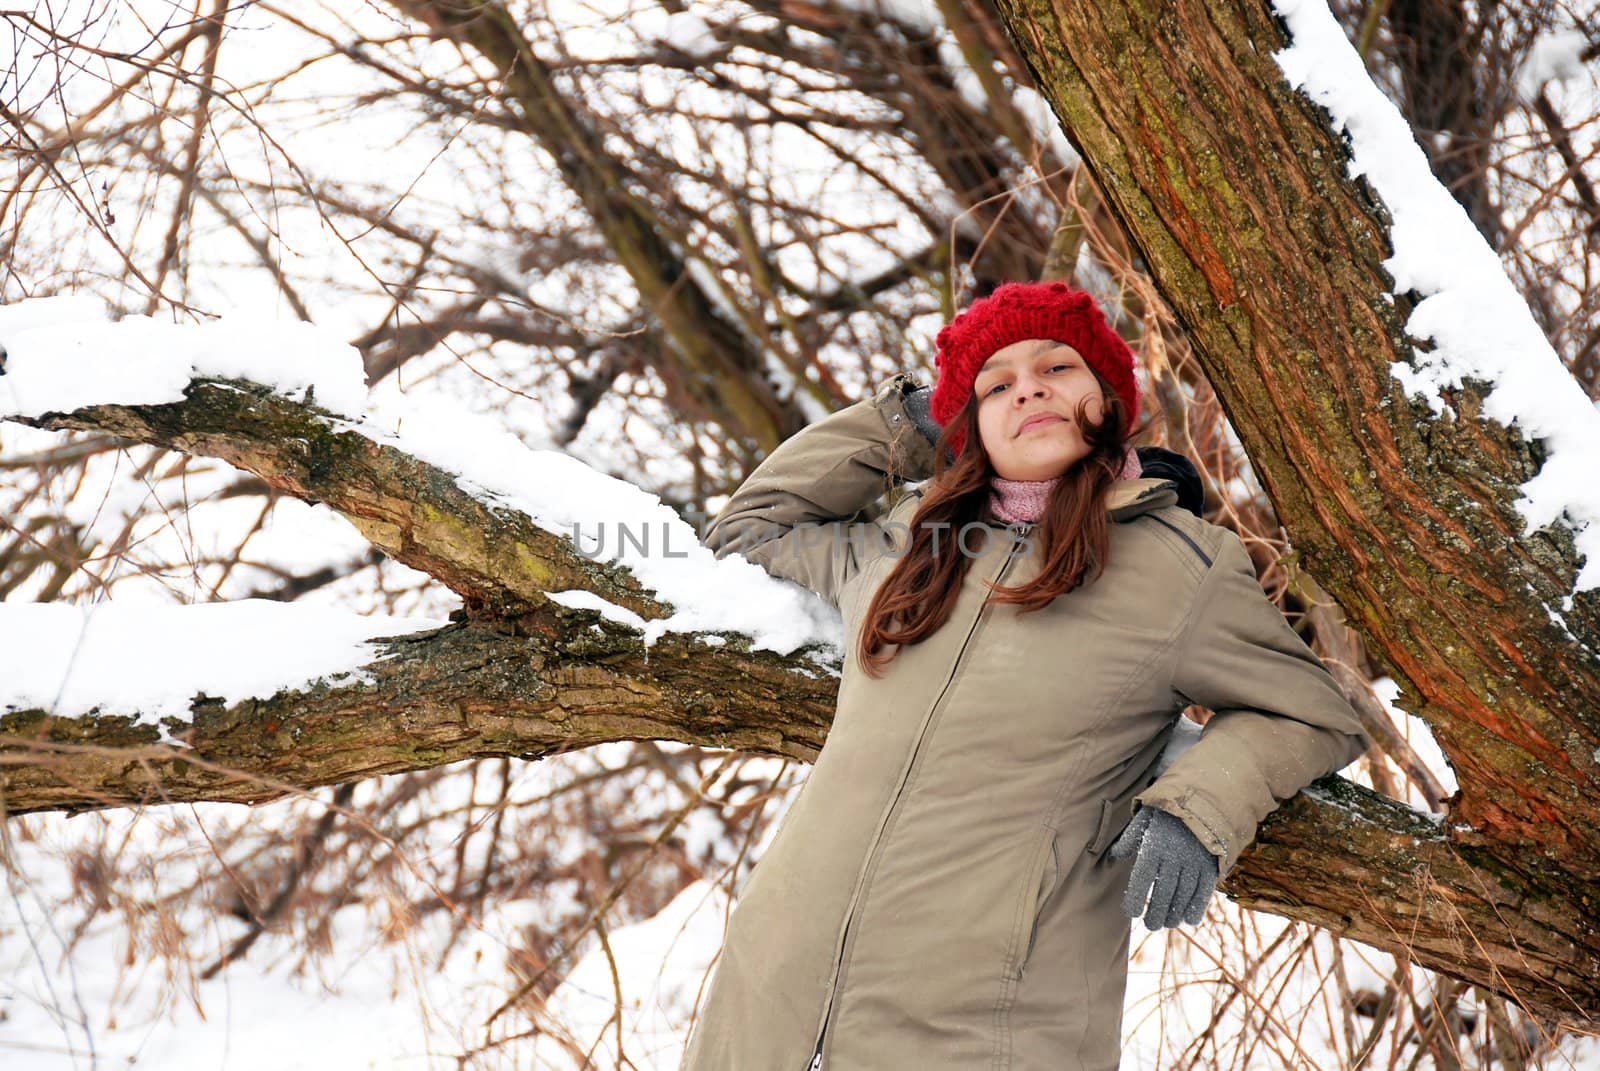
x=916 y=402
x=1170 y=858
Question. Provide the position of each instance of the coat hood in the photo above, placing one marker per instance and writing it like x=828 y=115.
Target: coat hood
x=1128 y=499
x=1161 y=463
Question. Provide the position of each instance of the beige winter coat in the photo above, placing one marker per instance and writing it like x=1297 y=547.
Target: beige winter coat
x=938 y=895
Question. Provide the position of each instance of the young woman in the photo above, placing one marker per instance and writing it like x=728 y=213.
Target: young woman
x=1024 y=631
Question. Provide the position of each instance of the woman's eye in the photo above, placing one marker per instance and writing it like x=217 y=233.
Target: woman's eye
x=995 y=388
x=1060 y=367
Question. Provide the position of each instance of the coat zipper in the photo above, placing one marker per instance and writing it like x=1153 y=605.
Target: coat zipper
x=1019 y=535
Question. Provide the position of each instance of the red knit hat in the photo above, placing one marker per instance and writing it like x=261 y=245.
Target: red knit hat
x=1017 y=311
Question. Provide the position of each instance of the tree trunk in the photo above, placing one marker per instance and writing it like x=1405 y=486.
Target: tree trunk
x=1234 y=187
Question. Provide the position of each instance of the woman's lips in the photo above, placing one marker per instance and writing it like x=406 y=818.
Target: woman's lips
x=1037 y=420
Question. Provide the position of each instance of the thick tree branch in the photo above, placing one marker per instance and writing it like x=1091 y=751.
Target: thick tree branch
x=558 y=680
x=564 y=679
x=1235 y=191
x=1369 y=868
x=497 y=560
x=526 y=677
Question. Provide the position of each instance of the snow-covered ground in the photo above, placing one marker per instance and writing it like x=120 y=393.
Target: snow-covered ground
x=105 y=999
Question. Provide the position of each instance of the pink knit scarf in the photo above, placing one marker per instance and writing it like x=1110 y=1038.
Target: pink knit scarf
x=1023 y=501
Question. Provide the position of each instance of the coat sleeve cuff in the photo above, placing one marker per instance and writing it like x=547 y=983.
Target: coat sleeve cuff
x=1203 y=817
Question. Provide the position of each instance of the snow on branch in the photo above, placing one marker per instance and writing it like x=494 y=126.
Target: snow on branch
x=1553 y=58
x=152 y=663
x=442 y=489
x=1471 y=321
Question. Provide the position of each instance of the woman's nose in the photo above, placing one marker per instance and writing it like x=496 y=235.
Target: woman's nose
x=1030 y=388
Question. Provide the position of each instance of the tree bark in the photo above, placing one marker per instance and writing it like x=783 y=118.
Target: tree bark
x=1234 y=188
x=1369 y=868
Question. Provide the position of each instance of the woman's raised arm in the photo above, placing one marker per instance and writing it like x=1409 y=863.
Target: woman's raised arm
x=793 y=515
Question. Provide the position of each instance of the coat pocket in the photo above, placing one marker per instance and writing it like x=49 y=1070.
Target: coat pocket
x=1044 y=872
x=1115 y=814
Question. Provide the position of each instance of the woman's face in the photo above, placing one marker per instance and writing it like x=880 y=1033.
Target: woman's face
x=1028 y=395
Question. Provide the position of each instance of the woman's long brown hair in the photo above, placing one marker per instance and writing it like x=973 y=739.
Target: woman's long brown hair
x=919 y=594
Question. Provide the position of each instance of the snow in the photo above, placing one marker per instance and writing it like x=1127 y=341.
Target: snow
x=689 y=34
x=1041 y=119
x=659 y=966
x=612 y=520
x=103 y=995
x=588 y=600
x=369 y=1001
x=918 y=16
x=89 y=980
x=151 y=661
x=93 y=1002
x=1554 y=57
x=65 y=355
x=1471 y=319
x=417 y=1001
x=965 y=79
x=962 y=220
x=783 y=382
x=1416 y=733
x=717 y=292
